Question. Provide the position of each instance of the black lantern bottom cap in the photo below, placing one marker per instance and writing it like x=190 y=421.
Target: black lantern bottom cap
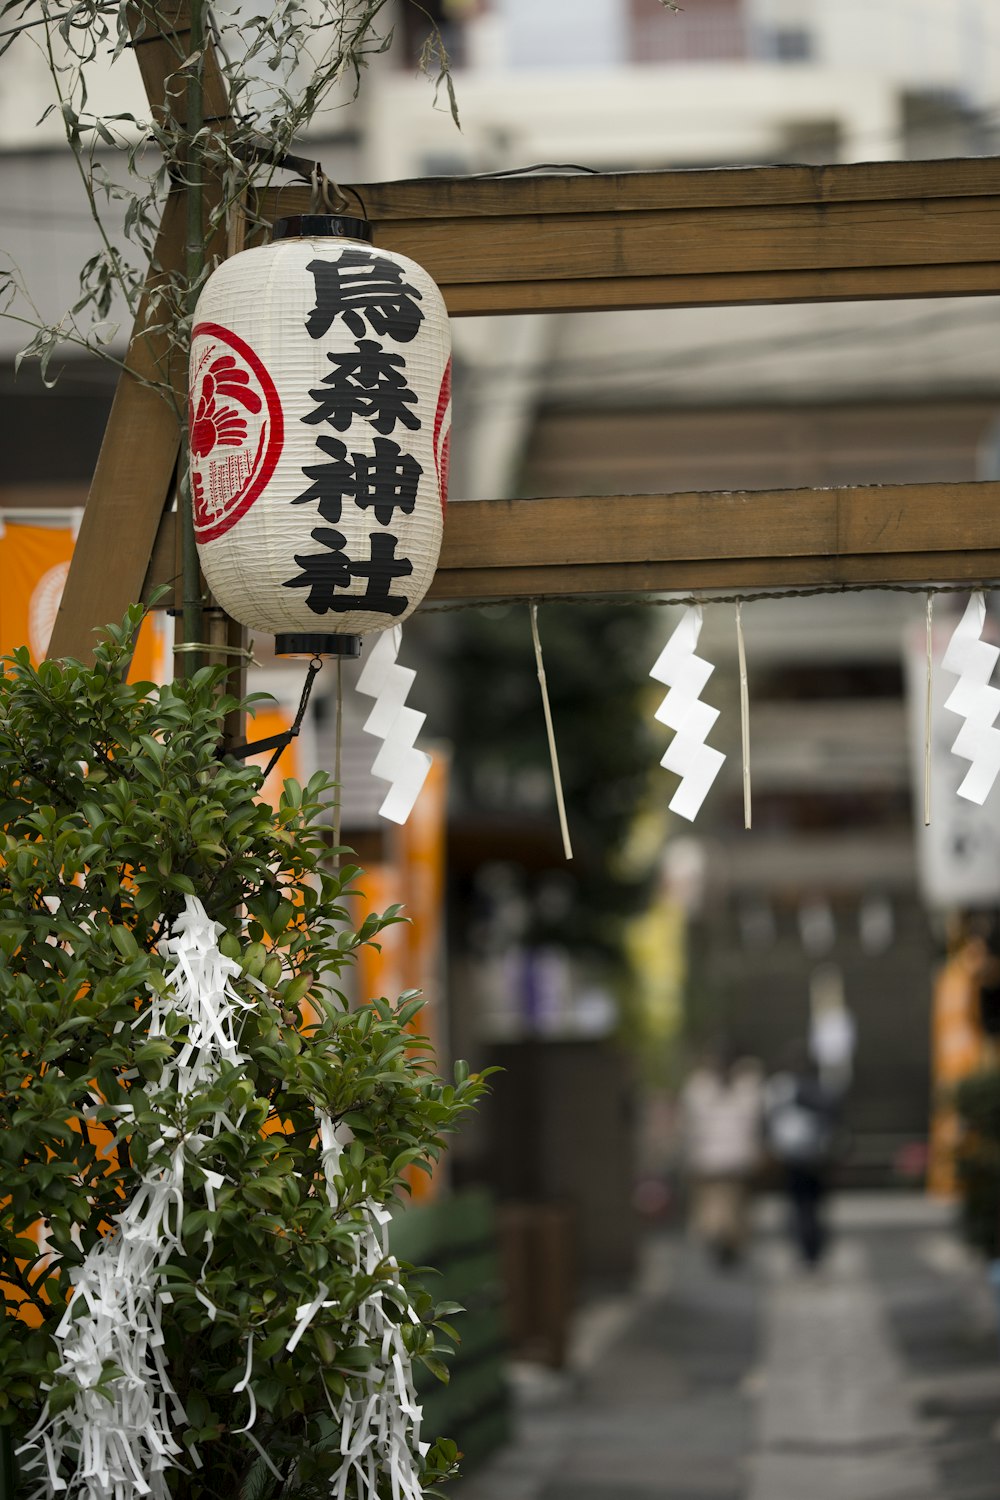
x=316 y=643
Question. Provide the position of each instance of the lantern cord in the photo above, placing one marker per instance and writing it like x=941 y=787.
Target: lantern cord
x=744 y=716
x=259 y=152
x=553 y=752
x=708 y=596
x=927 y=710
x=280 y=742
x=540 y=166
x=325 y=192
x=338 y=756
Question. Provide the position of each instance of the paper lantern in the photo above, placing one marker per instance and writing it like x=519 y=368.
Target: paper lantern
x=320 y=414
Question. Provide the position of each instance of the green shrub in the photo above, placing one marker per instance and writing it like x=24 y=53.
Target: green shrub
x=115 y=806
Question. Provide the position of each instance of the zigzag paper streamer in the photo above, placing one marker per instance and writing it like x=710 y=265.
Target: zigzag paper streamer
x=972 y=697
x=398 y=761
x=685 y=675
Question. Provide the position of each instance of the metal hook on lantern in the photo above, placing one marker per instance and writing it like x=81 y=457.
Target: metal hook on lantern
x=280 y=742
x=326 y=195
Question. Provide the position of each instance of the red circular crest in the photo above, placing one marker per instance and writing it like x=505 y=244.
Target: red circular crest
x=236 y=429
x=442 y=434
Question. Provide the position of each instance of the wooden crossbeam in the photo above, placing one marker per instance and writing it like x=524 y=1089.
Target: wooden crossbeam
x=693 y=238
x=627 y=240
x=740 y=539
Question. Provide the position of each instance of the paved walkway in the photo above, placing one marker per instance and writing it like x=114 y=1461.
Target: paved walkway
x=877 y=1378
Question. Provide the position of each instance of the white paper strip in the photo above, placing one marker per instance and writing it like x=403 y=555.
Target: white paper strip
x=973 y=660
x=378 y=1417
x=685 y=675
x=122 y=1447
x=398 y=761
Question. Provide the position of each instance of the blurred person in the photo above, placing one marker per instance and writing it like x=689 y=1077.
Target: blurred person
x=832 y=1030
x=800 y=1130
x=720 y=1124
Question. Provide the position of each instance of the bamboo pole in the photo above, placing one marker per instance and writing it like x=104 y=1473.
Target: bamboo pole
x=194 y=260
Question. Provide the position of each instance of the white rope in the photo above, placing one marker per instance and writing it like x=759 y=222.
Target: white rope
x=550 y=731
x=744 y=717
x=928 y=710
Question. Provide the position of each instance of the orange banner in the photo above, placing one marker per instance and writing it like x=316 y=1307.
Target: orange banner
x=957 y=1049
x=412 y=953
x=34 y=563
x=270 y=719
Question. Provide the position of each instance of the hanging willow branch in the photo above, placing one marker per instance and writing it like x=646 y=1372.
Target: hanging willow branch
x=280 y=67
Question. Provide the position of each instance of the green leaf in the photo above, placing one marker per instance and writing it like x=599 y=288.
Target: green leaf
x=62 y=1396
x=125 y=942
x=437 y=1367
x=297 y=988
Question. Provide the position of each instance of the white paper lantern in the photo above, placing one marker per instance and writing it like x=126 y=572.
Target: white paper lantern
x=320 y=416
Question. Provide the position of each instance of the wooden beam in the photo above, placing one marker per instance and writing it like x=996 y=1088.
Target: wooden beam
x=737 y=575
x=134 y=476
x=56 y=494
x=871 y=534
x=879 y=519
x=673 y=239
x=620 y=240
x=741 y=539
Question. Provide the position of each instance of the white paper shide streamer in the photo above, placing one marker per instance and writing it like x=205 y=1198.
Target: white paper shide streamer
x=978 y=741
x=378 y=1418
x=398 y=761
x=121 y=1448
x=685 y=674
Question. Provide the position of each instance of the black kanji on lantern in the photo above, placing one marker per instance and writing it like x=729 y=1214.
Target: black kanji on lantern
x=325 y=573
x=363 y=288
x=370 y=383
x=384 y=481
x=330 y=482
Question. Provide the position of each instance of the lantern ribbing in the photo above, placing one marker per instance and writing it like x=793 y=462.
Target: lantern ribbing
x=319 y=431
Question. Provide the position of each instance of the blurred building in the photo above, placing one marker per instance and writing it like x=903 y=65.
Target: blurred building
x=748 y=398
x=649 y=402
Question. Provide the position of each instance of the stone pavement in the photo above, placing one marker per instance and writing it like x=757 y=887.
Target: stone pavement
x=876 y=1378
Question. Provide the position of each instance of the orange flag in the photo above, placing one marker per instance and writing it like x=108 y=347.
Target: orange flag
x=34 y=563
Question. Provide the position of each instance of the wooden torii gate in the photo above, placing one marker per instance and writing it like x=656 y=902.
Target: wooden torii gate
x=609 y=241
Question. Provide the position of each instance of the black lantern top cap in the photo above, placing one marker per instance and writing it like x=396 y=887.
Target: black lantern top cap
x=322 y=226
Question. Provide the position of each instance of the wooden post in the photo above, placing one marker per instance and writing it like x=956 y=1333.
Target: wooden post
x=134 y=480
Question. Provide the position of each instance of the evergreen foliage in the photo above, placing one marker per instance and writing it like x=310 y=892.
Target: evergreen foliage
x=114 y=806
